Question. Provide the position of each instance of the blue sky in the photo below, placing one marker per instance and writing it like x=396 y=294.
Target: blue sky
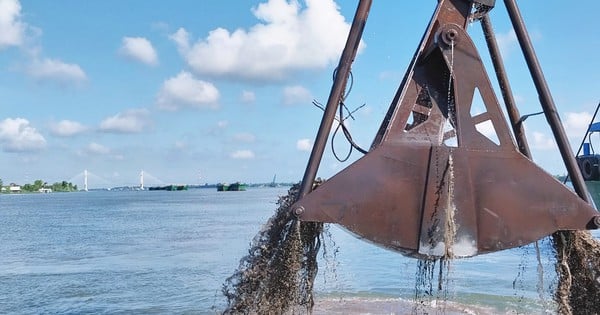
x=221 y=91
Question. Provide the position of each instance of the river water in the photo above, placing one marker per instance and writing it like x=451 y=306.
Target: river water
x=162 y=252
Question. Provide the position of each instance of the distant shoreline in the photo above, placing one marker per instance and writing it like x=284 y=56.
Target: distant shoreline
x=6 y=189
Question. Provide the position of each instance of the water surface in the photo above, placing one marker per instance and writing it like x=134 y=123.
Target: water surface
x=157 y=252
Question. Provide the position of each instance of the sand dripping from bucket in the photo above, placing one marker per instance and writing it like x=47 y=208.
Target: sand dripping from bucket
x=578 y=269
x=278 y=273
x=432 y=285
x=432 y=277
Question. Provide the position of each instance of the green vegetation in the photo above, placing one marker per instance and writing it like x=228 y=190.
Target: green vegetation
x=39 y=184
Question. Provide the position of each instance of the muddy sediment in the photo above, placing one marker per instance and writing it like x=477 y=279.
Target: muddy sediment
x=578 y=270
x=278 y=273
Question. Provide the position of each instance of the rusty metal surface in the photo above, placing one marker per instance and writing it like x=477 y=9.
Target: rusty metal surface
x=444 y=177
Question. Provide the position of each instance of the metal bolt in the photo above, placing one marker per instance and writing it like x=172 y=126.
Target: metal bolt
x=597 y=221
x=450 y=34
x=298 y=210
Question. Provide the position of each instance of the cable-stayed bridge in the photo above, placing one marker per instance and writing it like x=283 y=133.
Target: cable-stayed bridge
x=88 y=180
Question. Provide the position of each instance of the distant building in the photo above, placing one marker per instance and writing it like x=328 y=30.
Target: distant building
x=14 y=188
x=45 y=190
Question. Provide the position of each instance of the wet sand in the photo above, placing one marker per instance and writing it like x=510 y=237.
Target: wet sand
x=387 y=306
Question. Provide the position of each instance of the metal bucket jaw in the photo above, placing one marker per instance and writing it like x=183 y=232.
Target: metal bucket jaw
x=444 y=177
x=432 y=202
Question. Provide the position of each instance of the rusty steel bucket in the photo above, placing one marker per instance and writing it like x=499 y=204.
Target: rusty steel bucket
x=444 y=178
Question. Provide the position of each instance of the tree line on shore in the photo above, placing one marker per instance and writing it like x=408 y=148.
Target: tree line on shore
x=63 y=186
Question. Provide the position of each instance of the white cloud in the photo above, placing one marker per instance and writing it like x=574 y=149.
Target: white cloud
x=95 y=148
x=507 y=42
x=296 y=94
x=242 y=155
x=16 y=135
x=54 y=70
x=288 y=38
x=14 y=32
x=67 y=128
x=304 y=145
x=130 y=121
x=181 y=39
x=186 y=91
x=244 y=137
x=12 y=29
x=139 y=49
x=576 y=124
x=248 y=97
x=542 y=141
